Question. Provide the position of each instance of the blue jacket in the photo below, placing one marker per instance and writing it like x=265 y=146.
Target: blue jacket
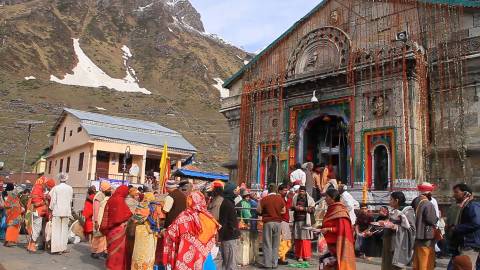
x=468 y=229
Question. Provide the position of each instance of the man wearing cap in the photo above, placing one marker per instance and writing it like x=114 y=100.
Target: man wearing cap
x=99 y=241
x=175 y=202
x=217 y=199
x=425 y=221
x=61 y=205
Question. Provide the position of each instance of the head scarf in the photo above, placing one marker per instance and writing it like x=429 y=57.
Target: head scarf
x=104 y=186
x=194 y=229
x=426 y=187
x=148 y=197
x=50 y=183
x=116 y=210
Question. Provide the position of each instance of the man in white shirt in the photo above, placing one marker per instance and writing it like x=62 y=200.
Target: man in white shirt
x=61 y=206
x=348 y=200
x=298 y=176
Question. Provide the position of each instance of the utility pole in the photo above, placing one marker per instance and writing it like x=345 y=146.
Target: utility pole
x=126 y=156
x=30 y=124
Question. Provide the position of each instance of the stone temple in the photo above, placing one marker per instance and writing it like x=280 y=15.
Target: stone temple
x=384 y=91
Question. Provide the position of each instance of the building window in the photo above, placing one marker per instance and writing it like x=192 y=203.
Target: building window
x=61 y=165
x=71 y=133
x=64 y=133
x=80 y=161
x=50 y=167
x=67 y=169
x=79 y=129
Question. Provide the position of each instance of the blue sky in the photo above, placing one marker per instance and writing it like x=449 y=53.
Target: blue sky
x=251 y=24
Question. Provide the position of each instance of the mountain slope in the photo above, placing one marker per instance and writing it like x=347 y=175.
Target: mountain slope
x=169 y=54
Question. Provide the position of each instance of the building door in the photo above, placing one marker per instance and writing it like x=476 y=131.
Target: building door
x=103 y=160
x=380 y=170
x=271 y=169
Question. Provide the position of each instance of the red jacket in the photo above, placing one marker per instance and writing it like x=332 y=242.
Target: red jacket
x=38 y=200
x=88 y=214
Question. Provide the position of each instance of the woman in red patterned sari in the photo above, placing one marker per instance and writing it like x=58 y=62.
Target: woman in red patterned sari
x=191 y=237
x=114 y=224
x=338 y=231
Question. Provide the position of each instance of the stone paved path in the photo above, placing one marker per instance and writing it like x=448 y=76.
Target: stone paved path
x=18 y=258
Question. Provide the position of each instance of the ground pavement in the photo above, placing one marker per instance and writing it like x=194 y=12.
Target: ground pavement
x=18 y=258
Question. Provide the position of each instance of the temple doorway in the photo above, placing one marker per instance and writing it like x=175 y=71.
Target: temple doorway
x=380 y=167
x=326 y=142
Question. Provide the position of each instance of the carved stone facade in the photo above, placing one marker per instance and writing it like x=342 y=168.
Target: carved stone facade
x=372 y=96
x=322 y=50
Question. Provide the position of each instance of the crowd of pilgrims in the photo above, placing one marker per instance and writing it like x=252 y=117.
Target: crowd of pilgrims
x=200 y=228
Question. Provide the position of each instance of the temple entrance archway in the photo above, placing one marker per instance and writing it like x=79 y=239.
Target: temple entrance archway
x=381 y=167
x=325 y=141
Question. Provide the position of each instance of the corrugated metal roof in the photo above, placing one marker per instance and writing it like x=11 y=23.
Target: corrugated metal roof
x=228 y=83
x=129 y=135
x=119 y=121
x=129 y=130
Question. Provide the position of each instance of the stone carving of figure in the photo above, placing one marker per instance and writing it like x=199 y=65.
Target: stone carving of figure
x=311 y=61
x=380 y=107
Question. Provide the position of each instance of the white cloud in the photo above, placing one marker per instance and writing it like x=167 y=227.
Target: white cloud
x=251 y=24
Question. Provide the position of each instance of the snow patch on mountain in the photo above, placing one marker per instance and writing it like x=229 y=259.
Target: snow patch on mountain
x=141 y=9
x=87 y=74
x=224 y=93
x=214 y=37
x=29 y=78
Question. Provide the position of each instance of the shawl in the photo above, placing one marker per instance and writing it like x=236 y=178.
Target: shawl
x=97 y=200
x=310 y=203
x=87 y=213
x=337 y=216
x=404 y=238
x=191 y=237
x=116 y=211
x=214 y=207
x=13 y=209
x=146 y=213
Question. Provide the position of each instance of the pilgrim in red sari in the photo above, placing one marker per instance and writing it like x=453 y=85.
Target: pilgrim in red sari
x=13 y=210
x=114 y=226
x=87 y=212
x=338 y=232
x=191 y=237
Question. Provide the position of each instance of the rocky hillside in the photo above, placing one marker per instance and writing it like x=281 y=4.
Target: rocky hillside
x=155 y=59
